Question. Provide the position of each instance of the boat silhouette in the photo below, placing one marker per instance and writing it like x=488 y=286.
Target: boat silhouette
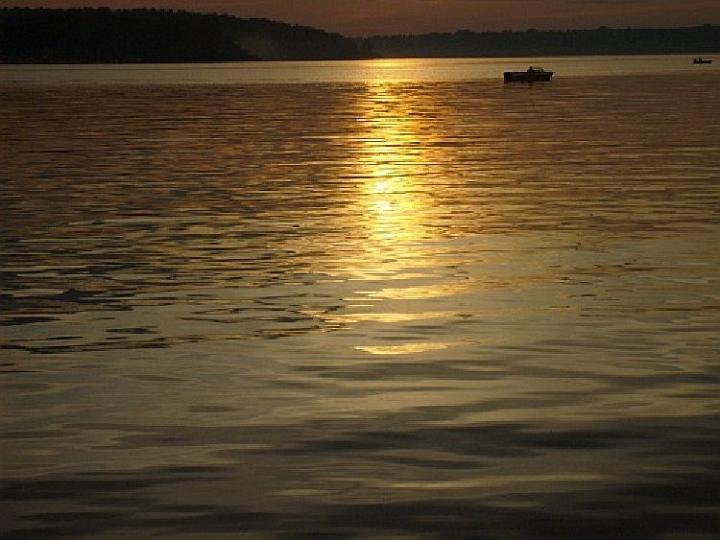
x=533 y=74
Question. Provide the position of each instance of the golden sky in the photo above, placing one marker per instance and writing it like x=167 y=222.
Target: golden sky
x=367 y=17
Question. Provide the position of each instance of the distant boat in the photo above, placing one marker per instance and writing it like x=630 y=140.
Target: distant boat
x=533 y=74
x=700 y=60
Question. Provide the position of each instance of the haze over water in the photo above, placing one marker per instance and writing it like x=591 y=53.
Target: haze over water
x=414 y=302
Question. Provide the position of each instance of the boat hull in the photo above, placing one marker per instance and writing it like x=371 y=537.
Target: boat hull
x=526 y=76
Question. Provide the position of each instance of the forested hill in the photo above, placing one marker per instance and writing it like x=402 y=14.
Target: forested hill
x=465 y=43
x=150 y=35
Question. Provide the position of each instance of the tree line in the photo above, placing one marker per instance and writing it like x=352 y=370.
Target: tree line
x=603 y=40
x=103 y=35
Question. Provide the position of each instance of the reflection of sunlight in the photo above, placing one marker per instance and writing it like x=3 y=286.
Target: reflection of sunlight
x=390 y=269
x=405 y=348
x=397 y=206
x=422 y=291
x=390 y=317
x=392 y=70
x=389 y=164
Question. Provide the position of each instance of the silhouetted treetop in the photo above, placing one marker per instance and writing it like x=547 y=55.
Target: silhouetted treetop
x=152 y=35
x=603 y=40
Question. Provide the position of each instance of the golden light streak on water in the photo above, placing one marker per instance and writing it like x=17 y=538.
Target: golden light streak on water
x=389 y=163
x=406 y=348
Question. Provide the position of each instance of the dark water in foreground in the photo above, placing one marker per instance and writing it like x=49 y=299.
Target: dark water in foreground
x=386 y=309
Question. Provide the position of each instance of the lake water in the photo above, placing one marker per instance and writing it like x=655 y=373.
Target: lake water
x=384 y=299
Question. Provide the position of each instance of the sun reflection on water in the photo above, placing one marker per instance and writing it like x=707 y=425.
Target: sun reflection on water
x=398 y=166
x=391 y=163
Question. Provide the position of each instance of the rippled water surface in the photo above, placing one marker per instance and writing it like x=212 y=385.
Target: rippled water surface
x=379 y=308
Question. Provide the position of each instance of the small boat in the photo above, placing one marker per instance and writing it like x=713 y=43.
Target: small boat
x=700 y=60
x=533 y=74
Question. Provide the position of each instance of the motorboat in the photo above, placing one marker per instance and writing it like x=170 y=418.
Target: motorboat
x=533 y=74
x=700 y=60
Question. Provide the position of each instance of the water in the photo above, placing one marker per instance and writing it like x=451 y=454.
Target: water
x=348 y=71
x=361 y=302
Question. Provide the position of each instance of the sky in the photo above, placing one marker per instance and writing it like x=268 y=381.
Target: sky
x=369 y=17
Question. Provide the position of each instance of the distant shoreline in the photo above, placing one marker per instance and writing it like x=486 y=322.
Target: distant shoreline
x=690 y=55
x=150 y=36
